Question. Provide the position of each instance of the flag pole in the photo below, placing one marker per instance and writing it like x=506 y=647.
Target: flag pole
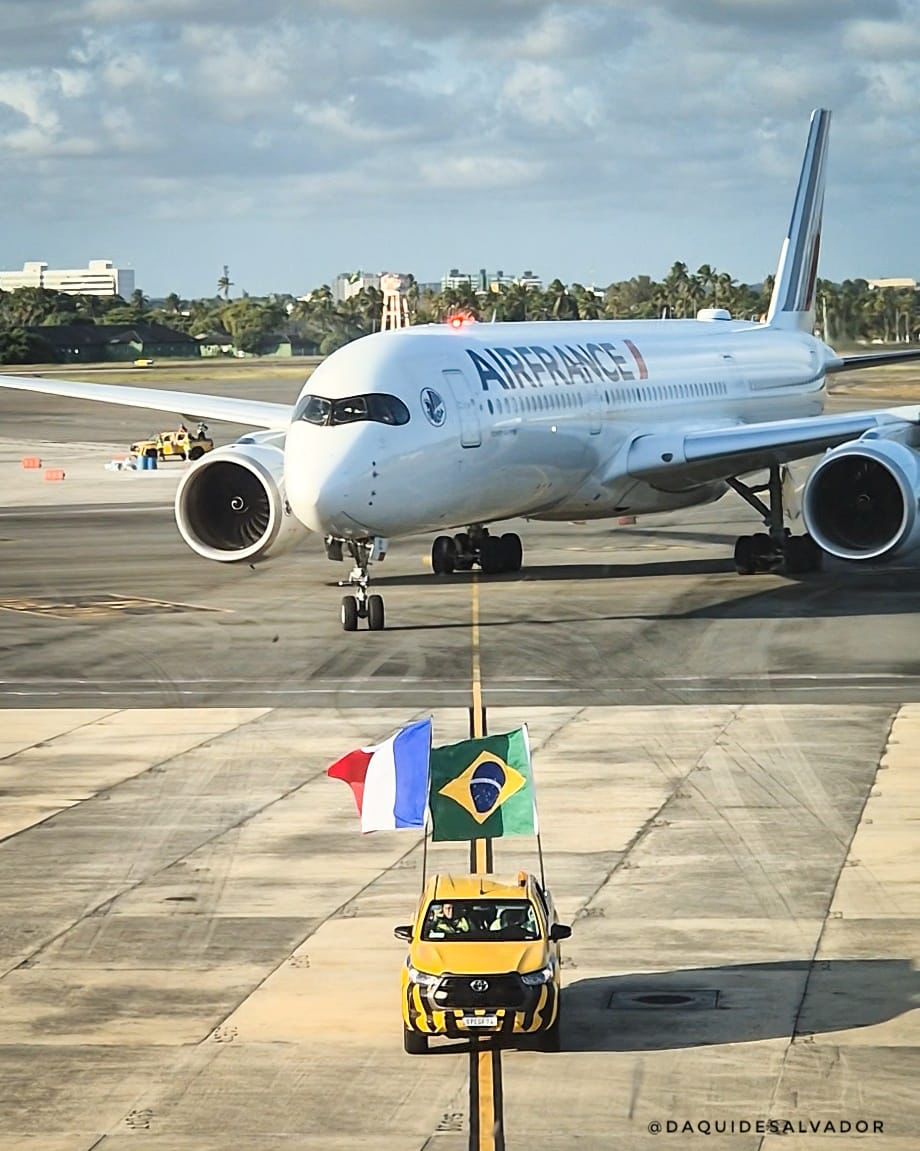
x=540 y=854
x=424 y=852
x=481 y=859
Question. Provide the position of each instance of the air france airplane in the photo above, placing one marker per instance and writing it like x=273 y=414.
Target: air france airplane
x=454 y=428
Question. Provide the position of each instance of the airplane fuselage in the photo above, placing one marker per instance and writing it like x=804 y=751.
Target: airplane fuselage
x=529 y=419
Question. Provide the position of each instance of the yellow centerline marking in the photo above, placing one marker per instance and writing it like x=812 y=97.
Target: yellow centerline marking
x=477 y=668
x=486 y=1099
x=479 y=845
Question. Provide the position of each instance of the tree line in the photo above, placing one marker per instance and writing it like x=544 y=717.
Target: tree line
x=848 y=312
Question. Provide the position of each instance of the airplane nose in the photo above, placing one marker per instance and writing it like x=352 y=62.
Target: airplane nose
x=324 y=477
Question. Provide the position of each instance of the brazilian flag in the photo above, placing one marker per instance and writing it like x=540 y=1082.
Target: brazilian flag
x=482 y=788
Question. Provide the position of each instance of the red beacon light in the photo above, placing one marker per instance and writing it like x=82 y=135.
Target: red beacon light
x=459 y=320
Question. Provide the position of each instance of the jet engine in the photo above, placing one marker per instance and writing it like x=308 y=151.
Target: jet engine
x=860 y=501
x=232 y=506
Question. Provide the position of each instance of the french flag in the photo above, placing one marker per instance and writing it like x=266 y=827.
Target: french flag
x=390 y=780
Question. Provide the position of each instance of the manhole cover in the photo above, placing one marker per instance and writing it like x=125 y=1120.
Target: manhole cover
x=661 y=1000
x=686 y=999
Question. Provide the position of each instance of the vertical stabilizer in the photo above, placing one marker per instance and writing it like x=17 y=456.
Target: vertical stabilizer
x=793 y=302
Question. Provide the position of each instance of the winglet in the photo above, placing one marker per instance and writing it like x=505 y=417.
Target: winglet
x=793 y=302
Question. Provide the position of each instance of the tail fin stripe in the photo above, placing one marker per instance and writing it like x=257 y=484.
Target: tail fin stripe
x=792 y=304
x=806 y=219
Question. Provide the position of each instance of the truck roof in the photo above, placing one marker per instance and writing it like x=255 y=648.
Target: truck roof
x=478 y=886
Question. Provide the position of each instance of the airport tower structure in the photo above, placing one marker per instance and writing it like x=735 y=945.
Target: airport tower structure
x=395 y=302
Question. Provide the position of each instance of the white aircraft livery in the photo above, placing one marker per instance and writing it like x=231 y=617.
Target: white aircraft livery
x=454 y=428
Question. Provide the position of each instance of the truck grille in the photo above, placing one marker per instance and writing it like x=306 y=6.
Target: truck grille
x=457 y=991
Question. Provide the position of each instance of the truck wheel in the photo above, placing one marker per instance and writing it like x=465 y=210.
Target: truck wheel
x=550 y=1039
x=196 y=453
x=414 y=1043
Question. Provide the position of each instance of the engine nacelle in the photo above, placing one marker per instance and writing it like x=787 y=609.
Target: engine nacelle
x=860 y=502
x=231 y=506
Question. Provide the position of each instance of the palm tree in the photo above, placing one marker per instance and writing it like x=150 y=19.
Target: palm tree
x=562 y=306
x=224 y=284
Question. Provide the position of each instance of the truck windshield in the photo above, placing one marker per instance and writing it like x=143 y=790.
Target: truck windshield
x=480 y=920
x=375 y=406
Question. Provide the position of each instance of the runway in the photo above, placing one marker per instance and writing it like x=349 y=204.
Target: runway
x=108 y=603
x=196 y=944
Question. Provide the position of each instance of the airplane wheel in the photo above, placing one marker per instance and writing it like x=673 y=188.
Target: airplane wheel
x=375 y=617
x=512 y=552
x=745 y=563
x=464 y=552
x=551 y=1038
x=443 y=555
x=491 y=555
x=349 y=613
x=764 y=552
x=802 y=555
x=813 y=553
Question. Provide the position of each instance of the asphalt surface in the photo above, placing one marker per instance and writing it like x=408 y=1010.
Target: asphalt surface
x=601 y=613
x=196 y=944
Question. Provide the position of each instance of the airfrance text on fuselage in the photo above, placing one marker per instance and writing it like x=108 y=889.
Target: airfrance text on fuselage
x=536 y=366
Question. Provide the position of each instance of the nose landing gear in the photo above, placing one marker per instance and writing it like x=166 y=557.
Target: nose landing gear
x=361 y=604
x=493 y=554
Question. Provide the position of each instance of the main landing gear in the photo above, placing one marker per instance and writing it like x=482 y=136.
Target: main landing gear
x=361 y=604
x=777 y=547
x=494 y=554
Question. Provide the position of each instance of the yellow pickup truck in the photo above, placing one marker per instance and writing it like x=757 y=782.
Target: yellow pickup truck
x=178 y=445
x=483 y=959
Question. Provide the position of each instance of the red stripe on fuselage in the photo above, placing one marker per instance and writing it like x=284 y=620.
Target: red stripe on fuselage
x=637 y=356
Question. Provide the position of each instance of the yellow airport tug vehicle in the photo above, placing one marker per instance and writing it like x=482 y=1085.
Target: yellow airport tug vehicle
x=483 y=959
x=177 y=445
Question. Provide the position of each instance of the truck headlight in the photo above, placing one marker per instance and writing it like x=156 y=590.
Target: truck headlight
x=422 y=978
x=538 y=978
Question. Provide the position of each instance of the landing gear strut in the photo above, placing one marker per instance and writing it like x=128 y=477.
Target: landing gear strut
x=361 y=604
x=493 y=554
x=777 y=547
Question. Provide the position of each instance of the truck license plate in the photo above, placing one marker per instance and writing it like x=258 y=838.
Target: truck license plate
x=480 y=1020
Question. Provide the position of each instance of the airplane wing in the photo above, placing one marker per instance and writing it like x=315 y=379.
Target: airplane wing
x=871 y=360
x=687 y=457
x=256 y=413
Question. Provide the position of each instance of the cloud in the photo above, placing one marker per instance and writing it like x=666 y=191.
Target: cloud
x=479 y=172
x=558 y=126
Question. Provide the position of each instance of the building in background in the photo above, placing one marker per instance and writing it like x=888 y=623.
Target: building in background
x=455 y=280
x=895 y=282
x=348 y=284
x=100 y=278
x=100 y=343
x=486 y=282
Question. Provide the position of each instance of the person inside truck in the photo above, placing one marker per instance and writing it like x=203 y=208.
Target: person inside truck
x=443 y=921
x=516 y=923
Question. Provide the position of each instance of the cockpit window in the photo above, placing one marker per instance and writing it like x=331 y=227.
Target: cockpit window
x=376 y=407
x=313 y=409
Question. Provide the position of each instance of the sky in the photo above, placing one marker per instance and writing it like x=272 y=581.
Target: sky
x=593 y=141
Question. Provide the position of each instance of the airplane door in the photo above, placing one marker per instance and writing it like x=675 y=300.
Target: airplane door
x=465 y=399
x=594 y=411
